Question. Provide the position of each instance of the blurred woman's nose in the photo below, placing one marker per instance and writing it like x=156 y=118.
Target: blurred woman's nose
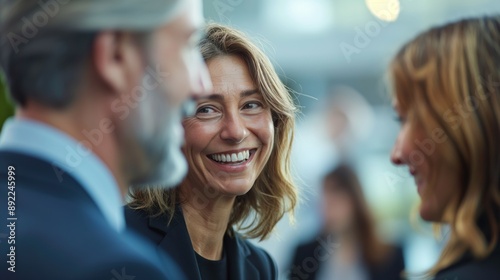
x=234 y=128
x=396 y=153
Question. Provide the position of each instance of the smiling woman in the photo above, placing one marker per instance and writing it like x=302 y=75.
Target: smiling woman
x=446 y=92
x=238 y=146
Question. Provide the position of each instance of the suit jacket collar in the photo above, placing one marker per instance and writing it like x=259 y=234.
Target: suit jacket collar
x=60 y=151
x=177 y=243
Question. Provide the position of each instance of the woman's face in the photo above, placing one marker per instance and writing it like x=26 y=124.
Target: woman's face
x=230 y=138
x=416 y=149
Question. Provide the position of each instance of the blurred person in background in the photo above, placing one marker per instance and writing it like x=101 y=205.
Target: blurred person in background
x=347 y=247
x=446 y=91
x=99 y=88
x=335 y=130
x=238 y=146
x=331 y=133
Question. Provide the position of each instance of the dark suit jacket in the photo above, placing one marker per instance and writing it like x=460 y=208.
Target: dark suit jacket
x=312 y=252
x=61 y=234
x=245 y=261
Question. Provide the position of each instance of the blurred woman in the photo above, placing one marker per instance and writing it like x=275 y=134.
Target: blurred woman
x=447 y=94
x=238 y=149
x=348 y=247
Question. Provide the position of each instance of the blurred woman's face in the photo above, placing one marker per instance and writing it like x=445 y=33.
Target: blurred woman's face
x=338 y=210
x=230 y=138
x=416 y=149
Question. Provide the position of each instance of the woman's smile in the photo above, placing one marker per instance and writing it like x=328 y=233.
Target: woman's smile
x=233 y=161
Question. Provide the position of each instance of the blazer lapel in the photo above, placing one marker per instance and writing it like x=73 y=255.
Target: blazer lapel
x=177 y=242
x=239 y=265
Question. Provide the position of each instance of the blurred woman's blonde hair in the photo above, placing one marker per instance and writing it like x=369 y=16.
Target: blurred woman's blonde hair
x=274 y=193
x=449 y=78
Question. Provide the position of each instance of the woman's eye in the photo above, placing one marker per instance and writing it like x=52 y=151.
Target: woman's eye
x=205 y=110
x=252 y=105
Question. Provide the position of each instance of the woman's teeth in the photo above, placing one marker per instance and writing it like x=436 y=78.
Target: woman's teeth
x=234 y=157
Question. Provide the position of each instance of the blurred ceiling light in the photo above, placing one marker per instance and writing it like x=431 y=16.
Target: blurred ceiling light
x=304 y=16
x=386 y=10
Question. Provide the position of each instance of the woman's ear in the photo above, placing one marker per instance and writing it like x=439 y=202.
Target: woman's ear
x=117 y=60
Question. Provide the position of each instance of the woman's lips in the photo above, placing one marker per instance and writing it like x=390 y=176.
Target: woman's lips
x=413 y=172
x=418 y=180
x=231 y=156
x=420 y=184
x=233 y=162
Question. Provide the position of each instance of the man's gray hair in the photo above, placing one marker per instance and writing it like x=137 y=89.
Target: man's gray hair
x=44 y=43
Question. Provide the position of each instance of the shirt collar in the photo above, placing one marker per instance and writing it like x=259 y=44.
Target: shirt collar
x=54 y=146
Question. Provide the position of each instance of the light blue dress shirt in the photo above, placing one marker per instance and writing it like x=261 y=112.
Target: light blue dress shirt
x=48 y=143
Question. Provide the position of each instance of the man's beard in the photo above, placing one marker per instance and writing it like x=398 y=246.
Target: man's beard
x=156 y=129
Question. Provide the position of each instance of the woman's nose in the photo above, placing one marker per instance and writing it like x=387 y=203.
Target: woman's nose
x=234 y=129
x=396 y=153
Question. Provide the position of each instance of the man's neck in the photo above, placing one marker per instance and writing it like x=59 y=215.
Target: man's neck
x=73 y=125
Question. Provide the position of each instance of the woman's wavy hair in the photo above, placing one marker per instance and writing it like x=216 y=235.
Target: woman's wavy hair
x=273 y=193
x=449 y=78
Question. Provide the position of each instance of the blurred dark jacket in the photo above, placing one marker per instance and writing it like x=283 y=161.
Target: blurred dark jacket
x=60 y=233
x=468 y=268
x=310 y=252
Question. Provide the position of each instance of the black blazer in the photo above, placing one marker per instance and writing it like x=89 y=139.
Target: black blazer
x=468 y=268
x=61 y=234
x=310 y=253
x=245 y=261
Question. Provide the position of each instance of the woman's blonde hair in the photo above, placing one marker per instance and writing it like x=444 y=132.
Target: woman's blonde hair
x=273 y=193
x=449 y=78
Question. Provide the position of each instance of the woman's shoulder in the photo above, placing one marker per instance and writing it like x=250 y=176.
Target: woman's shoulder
x=135 y=215
x=256 y=250
x=136 y=218
x=258 y=257
x=146 y=224
x=469 y=268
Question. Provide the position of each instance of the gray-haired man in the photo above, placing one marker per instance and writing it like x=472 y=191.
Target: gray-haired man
x=99 y=87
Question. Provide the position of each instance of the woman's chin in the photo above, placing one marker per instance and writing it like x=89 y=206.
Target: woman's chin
x=236 y=190
x=427 y=213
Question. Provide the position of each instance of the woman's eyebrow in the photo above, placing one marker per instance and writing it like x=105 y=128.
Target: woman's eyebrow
x=213 y=96
x=249 y=92
x=220 y=97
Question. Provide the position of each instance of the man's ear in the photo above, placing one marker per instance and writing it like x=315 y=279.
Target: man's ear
x=117 y=60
